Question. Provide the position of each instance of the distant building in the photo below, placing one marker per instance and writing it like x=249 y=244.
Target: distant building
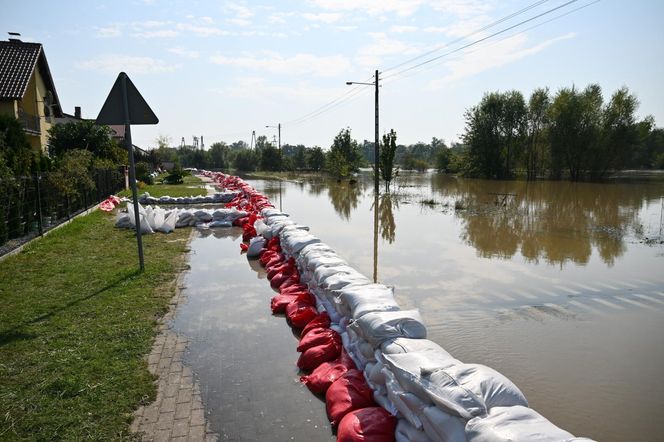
x=27 y=91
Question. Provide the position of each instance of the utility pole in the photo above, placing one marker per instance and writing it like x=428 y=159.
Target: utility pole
x=278 y=127
x=253 y=139
x=377 y=140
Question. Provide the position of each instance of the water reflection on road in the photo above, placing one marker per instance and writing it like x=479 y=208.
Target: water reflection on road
x=549 y=282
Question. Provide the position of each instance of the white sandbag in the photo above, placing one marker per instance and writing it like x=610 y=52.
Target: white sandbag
x=375 y=375
x=145 y=225
x=122 y=221
x=294 y=243
x=376 y=327
x=407 y=345
x=329 y=259
x=443 y=427
x=470 y=390
x=380 y=397
x=169 y=222
x=407 y=368
x=149 y=217
x=270 y=212
x=322 y=273
x=159 y=215
x=255 y=246
x=394 y=393
x=517 y=423
x=405 y=432
x=220 y=223
x=359 y=300
x=203 y=216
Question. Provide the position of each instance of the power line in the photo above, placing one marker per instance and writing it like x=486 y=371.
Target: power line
x=401 y=76
x=502 y=31
x=477 y=31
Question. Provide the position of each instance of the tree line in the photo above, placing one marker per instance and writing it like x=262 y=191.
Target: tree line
x=573 y=134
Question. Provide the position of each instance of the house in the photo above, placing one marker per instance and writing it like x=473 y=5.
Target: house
x=27 y=91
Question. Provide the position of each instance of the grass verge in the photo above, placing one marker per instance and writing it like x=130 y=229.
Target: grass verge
x=76 y=321
x=192 y=186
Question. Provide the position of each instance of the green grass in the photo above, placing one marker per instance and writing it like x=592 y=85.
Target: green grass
x=76 y=322
x=192 y=186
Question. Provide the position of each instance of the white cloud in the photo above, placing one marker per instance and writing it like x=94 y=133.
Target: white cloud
x=461 y=7
x=159 y=33
x=116 y=63
x=150 y=24
x=329 y=17
x=257 y=88
x=399 y=29
x=239 y=10
x=109 y=31
x=371 y=7
x=435 y=29
x=239 y=21
x=182 y=52
x=207 y=20
x=371 y=55
x=323 y=66
x=493 y=56
x=200 y=30
x=345 y=28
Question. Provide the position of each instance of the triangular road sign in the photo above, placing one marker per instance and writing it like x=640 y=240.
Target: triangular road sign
x=112 y=112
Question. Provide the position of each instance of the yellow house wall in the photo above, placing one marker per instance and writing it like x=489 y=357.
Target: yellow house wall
x=33 y=104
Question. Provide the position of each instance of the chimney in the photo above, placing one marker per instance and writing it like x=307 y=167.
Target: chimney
x=13 y=36
x=77 y=112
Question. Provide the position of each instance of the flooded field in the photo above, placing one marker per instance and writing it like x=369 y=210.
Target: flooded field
x=559 y=286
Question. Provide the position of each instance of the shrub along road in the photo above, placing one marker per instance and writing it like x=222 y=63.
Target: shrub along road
x=76 y=322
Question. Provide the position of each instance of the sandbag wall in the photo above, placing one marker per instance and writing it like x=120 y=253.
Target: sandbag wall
x=156 y=219
x=382 y=379
x=217 y=198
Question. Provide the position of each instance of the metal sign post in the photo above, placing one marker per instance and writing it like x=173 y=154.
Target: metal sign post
x=125 y=105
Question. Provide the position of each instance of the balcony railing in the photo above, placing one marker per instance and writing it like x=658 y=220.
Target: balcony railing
x=29 y=122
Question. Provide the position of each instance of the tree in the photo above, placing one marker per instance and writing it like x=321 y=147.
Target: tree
x=217 y=155
x=245 y=160
x=386 y=158
x=261 y=142
x=85 y=135
x=71 y=174
x=316 y=159
x=15 y=150
x=344 y=157
x=537 y=122
x=300 y=158
x=270 y=158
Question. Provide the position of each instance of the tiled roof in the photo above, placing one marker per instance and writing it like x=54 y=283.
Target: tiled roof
x=17 y=62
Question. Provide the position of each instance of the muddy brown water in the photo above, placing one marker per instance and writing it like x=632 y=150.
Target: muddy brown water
x=559 y=286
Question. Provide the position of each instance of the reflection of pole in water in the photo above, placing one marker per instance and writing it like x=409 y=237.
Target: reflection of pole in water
x=661 y=214
x=280 y=196
x=375 y=239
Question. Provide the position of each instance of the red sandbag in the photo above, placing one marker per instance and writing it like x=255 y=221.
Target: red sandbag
x=372 y=424
x=279 y=302
x=282 y=277
x=314 y=356
x=320 y=321
x=349 y=392
x=299 y=313
x=294 y=288
x=275 y=260
x=323 y=376
x=273 y=242
x=345 y=359
x=243 y=247
x=292 y=280
x=282 y=268
x=318 y=336
x=266 y=256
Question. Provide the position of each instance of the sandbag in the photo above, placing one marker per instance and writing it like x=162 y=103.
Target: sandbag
x=407 y=345
x=320 y=321
x=394 y=394
x=349 y=392
x=255 y=246
x=318 y=336
x=359 y=300
x=470 y=390
x=323 y=376
x=405 y=432
x=279 y=302
x=441 y=426
x=169 y=222
x=299 y=313
x=376 y=327
x=315 y=356
x=407 y=368
x=371 y=424
x=517 y=423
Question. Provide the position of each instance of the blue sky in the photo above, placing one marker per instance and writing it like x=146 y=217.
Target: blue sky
x=224 y=68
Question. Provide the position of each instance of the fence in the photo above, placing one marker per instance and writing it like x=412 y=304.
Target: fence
x=30 y=206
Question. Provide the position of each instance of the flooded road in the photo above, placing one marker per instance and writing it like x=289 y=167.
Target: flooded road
x=557 y=285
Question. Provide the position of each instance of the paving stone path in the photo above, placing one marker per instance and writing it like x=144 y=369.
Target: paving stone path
x=177 y=414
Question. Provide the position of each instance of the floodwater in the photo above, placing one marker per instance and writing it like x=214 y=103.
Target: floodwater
x=559 y=286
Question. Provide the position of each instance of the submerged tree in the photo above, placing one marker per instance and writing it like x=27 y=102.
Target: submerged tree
x=386 y=158
x=344 y=157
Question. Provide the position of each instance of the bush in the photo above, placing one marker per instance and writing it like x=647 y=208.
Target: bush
x=176 y=176
x=143 y=173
